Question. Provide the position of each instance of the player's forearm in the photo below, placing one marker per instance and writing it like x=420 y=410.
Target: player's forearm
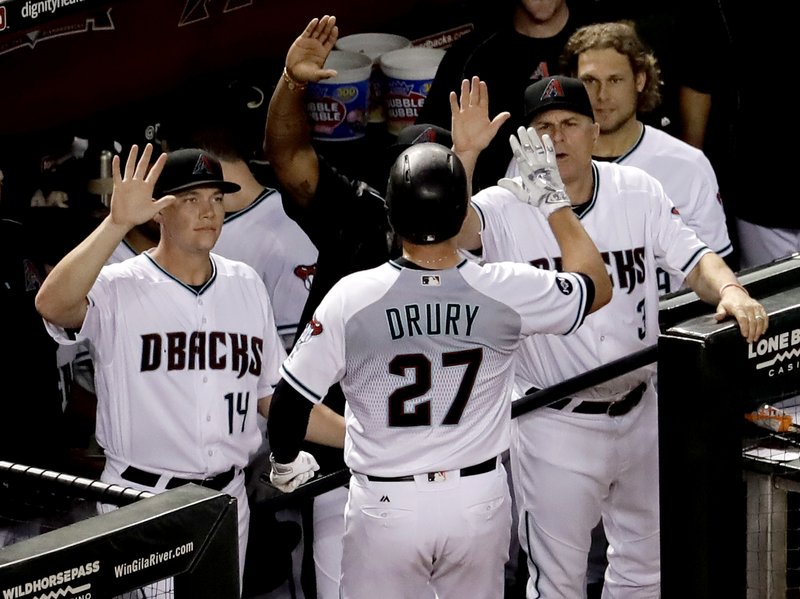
x=325 y=427
x=289 y=414
x=287 y=142
x=469 y=158
x=708 y=276
x=62 y=297
x=580 y=254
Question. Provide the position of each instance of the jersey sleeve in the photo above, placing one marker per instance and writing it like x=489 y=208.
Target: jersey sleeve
x=317 y=360
x=551 y=301
x=495 y=209
x=706 y=214
x=677 y=247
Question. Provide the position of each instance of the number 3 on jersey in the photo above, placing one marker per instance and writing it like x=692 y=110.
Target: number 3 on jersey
x=419 y=366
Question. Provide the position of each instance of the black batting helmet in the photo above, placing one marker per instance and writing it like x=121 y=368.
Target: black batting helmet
x=427 y=194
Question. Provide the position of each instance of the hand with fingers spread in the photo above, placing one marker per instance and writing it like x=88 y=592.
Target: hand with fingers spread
x=132 y=197
x=541 y=184
x=471 y=128
x=308 y=53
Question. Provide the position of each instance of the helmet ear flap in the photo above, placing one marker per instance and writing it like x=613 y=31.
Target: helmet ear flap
x=427 y=194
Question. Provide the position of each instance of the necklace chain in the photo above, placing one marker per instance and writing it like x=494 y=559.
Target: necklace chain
x=432 y=261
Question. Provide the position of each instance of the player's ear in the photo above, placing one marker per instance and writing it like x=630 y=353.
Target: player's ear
x=641 y=80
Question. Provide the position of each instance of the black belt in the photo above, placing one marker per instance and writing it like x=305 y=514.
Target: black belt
x=150 y=479
x=481 y=468
x=612 y=408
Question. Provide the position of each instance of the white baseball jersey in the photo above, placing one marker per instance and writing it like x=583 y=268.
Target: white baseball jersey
x=636 y=228
x=690 y=182
x=179 y=371
x=424 y=358
x=262 y=236
x=571 y=469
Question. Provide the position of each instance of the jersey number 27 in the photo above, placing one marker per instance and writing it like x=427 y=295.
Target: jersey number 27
x=421 y=366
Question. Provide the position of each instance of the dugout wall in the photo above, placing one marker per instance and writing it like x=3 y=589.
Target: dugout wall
x=709 y=377
x=189 y=533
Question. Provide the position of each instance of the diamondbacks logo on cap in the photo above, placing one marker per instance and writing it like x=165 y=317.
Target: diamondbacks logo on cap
x=203 y=166
x=428 y=135
x=553 y=90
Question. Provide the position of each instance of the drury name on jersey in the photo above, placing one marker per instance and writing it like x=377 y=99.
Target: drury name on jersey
x=201 y=350
x=431 y=319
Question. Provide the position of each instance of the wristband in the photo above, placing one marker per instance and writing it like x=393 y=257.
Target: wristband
x=291 y=82
x=726 y=285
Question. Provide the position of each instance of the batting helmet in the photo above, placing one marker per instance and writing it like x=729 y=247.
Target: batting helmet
x=427 y=194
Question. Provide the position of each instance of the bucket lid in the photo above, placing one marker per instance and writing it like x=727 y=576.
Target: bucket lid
x=351 y=67
x=372 y=44
x=411 y=63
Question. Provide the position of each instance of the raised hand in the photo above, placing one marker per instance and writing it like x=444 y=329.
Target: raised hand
x=132 y=197
x=541 y=184
x=310 y=50
x=471 y=128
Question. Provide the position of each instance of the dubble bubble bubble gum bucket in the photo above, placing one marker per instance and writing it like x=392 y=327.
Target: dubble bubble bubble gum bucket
x=409 y=73
x=338 y=106
x=374 y=45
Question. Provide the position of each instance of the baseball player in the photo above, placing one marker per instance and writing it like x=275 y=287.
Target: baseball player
x=183 y=341
x=595 y=454
x=622 y=78
x=422 y=346
x=346 y=219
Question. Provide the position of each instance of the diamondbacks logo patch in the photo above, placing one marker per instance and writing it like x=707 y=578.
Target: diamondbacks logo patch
x=313 y=328
x=564 y=285
x=553 y=90
x=305 y=272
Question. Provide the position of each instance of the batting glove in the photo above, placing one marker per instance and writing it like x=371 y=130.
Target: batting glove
x=287 y=477
x=541 y=184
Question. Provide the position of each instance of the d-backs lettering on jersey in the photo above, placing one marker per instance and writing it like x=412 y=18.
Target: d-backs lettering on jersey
x=627 y=266
x=201 y=350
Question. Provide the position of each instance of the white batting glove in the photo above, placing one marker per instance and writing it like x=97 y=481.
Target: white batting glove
x=287 y=477
x=541 y=182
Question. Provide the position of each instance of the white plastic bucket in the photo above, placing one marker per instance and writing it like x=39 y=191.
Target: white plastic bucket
x=338 y=106
x=374 y=45
x=409 y=73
